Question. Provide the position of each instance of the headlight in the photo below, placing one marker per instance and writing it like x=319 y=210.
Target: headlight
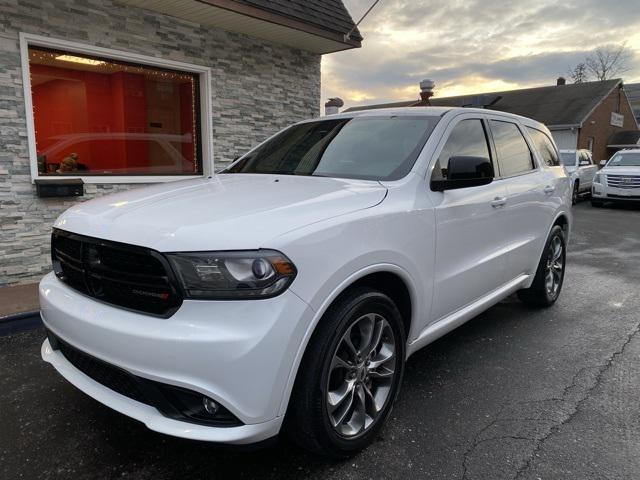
x=233 y=275
x=599 y=178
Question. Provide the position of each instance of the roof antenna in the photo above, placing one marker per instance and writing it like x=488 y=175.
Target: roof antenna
x=347 y=36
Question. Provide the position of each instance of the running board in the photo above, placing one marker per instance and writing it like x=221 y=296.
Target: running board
x=450 y=322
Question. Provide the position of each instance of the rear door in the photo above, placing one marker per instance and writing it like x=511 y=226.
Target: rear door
x=527 y=191
x=471 y=226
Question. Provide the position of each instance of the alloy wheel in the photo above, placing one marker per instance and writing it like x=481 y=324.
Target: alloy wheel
x=361 y=375
x=555 y=267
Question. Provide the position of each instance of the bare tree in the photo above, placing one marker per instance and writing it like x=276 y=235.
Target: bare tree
x=608 y=62
x=578 y=73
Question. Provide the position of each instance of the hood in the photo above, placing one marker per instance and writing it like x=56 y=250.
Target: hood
x=225 y=212
x=620 y=170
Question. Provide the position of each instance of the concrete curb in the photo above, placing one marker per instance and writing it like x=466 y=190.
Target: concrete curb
x=20 y=322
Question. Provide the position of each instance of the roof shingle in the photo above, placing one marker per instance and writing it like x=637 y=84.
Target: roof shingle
x=327 y=14
x=552 y=105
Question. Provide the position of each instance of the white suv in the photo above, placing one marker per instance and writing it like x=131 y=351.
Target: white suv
x=619 y=180
x=288 y=290
x=581 y=169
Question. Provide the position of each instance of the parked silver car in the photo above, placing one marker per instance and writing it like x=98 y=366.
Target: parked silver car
x=581 y=169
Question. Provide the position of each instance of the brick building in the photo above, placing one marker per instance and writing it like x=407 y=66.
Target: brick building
x=590 y=115
x=120 y=93
x=633 y=93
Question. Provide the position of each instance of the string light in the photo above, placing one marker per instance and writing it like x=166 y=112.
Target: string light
x=51 y=58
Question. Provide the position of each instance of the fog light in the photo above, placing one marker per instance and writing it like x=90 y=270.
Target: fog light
x=209 y=405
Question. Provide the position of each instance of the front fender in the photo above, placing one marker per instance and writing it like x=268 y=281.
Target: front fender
x=332 y=296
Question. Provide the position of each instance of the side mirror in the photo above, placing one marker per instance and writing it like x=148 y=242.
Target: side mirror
x=464 y=172
x=603 y=163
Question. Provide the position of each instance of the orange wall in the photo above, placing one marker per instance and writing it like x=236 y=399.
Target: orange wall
x=60 y=109
x=88 y=102
x=186 y=120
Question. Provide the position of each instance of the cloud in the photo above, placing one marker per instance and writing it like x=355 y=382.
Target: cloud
x=473 y=45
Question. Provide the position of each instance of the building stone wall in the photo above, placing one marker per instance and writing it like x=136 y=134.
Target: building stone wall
x=257 y=88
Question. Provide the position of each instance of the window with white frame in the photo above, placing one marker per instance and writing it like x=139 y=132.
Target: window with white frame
x=96 y=116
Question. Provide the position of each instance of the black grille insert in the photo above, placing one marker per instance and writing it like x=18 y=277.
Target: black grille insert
x=128 y=276
x=624 y=197
x=171 y=401
x=115 y=378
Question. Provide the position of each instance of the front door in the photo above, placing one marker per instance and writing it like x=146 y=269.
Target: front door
x=471 y=226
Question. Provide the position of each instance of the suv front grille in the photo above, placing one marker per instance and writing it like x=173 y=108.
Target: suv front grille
x=623 y=181
x=128 y=276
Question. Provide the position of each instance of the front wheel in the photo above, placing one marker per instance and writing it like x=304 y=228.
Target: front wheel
x=575 y=193
x=349 y=376
x=547 y=283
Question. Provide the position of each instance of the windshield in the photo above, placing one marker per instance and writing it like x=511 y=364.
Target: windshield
x=568 y=158
x=368 y=148
x=625 y=160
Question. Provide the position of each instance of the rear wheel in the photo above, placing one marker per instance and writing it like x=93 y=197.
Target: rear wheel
x=349 y=375
x=547 y=283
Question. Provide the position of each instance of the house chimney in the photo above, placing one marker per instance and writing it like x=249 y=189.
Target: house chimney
x=426 y=91
x=332 y=106
x=561 y=81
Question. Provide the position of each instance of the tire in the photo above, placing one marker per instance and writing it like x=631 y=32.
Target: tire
x=313 y=421
x=541 y=293
x=597 y=203
x=575 y=193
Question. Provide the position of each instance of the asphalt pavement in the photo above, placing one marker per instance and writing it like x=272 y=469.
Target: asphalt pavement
x=516 y=393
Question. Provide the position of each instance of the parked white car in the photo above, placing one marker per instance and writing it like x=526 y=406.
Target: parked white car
x=580 y=166
x=288 y=290
x=619 y=180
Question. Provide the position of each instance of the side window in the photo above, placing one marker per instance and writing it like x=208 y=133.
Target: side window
x=544 y=146
x=514 y=156
x=467 y=138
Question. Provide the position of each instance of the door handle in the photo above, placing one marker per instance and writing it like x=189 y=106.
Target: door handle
x=498 y=202
x=549 y=189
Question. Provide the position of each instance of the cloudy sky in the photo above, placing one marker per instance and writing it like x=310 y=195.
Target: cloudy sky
x=474 y=46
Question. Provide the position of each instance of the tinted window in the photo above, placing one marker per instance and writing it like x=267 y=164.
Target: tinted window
x=467 y=138
x=545 y=147
x=370 y=148
x=514 y=156
x=584 y=157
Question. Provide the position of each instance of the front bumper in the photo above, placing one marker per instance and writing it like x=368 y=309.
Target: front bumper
x=614 y=194
x=239 y=353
